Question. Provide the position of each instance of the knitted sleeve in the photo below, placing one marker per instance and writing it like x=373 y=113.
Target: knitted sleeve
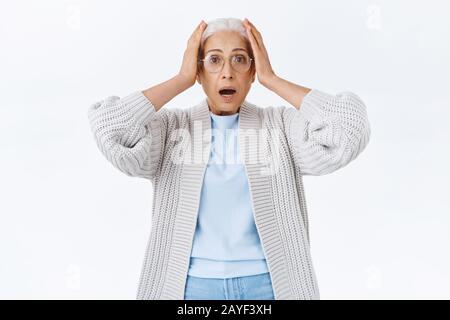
x=327 y=132
x=128 y=134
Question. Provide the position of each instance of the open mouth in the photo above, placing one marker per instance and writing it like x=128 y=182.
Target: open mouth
x=227 y=92
x=227 y=95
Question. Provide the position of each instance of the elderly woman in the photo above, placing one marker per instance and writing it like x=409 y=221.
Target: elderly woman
x=233 y=229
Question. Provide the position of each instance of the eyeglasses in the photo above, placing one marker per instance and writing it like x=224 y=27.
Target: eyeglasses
x=239 y=62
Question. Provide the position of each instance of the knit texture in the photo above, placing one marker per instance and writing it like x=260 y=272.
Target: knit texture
x=169 y=149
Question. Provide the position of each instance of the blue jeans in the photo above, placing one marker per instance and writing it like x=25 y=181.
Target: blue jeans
x=254 y=287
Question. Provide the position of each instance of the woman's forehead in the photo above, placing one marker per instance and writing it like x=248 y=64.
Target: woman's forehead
x=225 y=41
x=218 y=50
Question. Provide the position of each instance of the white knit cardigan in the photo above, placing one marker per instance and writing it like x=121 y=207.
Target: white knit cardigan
x=170 y=148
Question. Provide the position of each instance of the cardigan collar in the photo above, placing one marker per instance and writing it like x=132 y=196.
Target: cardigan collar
x=249 y=124
x=247 y=114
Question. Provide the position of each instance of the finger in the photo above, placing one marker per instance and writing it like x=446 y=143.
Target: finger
x=255 y=37
x=201 y=27
x=258 y=39
x=253 y=26
x=252 y=39
x=248 y=28
x=197 y=30
x=257 y=34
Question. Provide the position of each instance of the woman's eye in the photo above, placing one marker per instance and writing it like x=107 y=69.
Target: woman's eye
x=214 y=59
x=240 y=59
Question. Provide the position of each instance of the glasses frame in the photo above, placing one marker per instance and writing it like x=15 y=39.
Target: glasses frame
x=229 y=60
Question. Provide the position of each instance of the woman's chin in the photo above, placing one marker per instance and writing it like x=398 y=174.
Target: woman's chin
x=226 y=107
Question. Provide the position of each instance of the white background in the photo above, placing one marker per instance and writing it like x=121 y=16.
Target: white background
x=74 y=227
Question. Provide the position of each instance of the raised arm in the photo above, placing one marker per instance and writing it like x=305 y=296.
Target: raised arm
x=327 y=131
x=129 y=131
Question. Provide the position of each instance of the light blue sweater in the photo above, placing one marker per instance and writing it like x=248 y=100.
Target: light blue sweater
x=226 y=241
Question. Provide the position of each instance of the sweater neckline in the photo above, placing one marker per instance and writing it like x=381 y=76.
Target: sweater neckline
x=224 y=122
x=201 y=119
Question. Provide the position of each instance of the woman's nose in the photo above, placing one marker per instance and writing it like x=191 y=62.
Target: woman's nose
x=227 y=69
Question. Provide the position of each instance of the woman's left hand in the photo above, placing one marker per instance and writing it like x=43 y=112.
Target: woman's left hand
x=262 y=63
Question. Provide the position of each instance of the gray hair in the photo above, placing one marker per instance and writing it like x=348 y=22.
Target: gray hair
x=224 y=24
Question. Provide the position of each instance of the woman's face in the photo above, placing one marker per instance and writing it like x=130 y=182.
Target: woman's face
x=226 y=41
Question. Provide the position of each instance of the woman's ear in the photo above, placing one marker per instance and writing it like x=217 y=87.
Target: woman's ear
x=198 y=79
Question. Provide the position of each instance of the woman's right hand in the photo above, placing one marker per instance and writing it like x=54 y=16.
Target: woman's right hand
x=188 y=69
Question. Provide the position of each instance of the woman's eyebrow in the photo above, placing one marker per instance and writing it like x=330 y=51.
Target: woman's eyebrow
x=235 y=49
